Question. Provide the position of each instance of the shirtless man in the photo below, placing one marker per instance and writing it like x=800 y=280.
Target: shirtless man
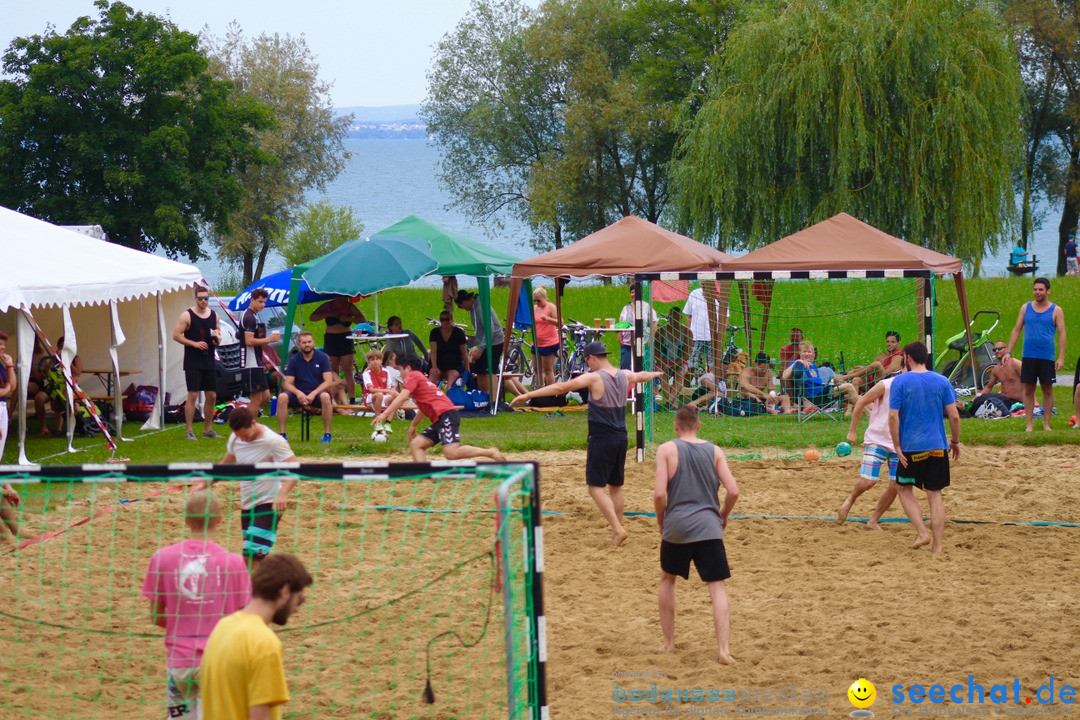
x=756 y=382
x=1007 y=372
x=887 y=363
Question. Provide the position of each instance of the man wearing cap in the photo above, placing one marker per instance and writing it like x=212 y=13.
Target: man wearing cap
x=1071 y=266
x=605 y=455
x=478 y=355
x=758 y=382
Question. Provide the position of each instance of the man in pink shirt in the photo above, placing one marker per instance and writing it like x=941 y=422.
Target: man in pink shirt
x=438 y=408
x=191 y=585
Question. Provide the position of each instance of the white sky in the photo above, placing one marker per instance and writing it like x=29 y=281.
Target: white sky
x=374 y=52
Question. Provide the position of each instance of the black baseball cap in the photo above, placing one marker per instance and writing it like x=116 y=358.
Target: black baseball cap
x=762 y=358
x=463 y=295
x=594 y=348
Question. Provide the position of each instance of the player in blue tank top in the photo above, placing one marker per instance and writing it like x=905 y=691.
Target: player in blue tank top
x=1040 y=320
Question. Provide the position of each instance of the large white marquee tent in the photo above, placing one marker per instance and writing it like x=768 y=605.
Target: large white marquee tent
x=115 y=306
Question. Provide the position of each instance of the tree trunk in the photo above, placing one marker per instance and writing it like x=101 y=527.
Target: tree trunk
x=1071 y=212
x=249 y=261
x=263 y=252
x=558 y=236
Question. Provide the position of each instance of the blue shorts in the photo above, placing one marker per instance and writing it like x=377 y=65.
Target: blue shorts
x=874 y=456
x=548 y=350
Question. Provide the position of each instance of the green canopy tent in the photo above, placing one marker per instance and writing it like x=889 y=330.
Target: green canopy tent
x=459 y=255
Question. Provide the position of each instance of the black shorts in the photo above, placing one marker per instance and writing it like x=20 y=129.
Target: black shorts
x=548 y=350
x=197 y=380
x=255 y=380
x=294 y=402
x=480 y=366
x=445 y=430
x=258 y=527
x=1037 y=371
x=338 y=345
x=456 y=367
x=709 y=558
x=605 y=459
x=926 y=470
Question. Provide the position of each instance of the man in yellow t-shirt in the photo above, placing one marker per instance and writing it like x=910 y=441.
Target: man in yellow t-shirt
x=243 y=671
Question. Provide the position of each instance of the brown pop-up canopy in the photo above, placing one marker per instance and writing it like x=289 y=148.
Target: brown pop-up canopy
x=843 y=243
x=629 y=246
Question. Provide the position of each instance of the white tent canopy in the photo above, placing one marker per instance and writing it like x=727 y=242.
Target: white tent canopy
x=121 y=302
x=48 y=265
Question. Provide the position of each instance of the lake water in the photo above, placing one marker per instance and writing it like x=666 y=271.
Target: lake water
x=387 y=180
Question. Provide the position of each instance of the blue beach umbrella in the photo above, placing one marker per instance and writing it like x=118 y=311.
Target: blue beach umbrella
x=278 y=287
x=368 y=266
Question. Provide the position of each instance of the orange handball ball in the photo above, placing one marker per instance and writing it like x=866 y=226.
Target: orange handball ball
x=812 y=456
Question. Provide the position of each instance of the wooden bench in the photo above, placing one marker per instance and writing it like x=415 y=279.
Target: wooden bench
x=1025 y=268
x=309 y=411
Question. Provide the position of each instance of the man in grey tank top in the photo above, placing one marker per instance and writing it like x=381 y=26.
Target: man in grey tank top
x=605 y=456
x=689 y=473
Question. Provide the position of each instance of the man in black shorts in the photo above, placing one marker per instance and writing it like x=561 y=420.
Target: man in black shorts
x=197 y=330
x=1039 y=320
x=606 y=453
x=917 y=400
x=689 y=473
x=254 y=339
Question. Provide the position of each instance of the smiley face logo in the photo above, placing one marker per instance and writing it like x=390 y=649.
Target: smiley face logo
x=862 y=693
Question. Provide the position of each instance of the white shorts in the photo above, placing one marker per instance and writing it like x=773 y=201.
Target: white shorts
x=369 y=398
x=182 y=693
x=874 y=456
x=1071 y=265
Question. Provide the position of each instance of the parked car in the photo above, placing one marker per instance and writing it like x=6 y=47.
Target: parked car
x=230 y=354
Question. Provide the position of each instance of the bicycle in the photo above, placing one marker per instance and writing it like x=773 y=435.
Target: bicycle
x=571 y=361
x=517 y=359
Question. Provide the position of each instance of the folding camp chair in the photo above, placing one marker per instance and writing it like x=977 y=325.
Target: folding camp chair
x=829 y=403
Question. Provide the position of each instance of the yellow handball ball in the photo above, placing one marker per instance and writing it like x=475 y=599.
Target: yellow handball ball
x=862 y=693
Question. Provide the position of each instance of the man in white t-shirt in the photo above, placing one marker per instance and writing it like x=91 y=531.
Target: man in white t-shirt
x=698 y=311
x=262 y=501
x=878 y=452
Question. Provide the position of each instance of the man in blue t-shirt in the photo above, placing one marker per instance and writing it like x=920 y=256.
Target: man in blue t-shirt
x=1039 y=320
x=308 y=380
x=917 y=400
x=1071 y=266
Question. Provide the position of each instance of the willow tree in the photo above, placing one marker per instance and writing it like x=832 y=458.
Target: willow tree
x=904 y=113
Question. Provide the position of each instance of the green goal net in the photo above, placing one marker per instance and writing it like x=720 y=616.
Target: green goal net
x=757 y=324
x=427 y=600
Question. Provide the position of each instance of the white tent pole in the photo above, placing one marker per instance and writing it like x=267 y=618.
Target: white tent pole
x=71 y=348
x=376 y=313
x=117 y=339
x=24 y=336
x=157 y=419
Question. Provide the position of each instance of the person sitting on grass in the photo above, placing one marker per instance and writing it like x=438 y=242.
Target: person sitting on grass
x=708 y=392
x=192 y=585
x=308 y=383
x=757 y=383
x=445 y=420
x=810 y=391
